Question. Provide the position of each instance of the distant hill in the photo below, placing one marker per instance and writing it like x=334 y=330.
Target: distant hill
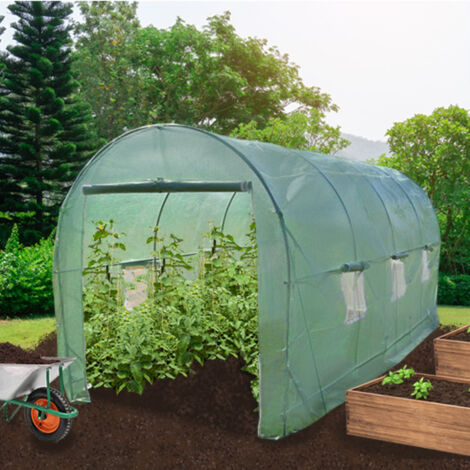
x=362 y=148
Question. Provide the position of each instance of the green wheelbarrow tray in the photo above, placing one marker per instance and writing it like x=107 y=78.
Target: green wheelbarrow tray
x=47 y=411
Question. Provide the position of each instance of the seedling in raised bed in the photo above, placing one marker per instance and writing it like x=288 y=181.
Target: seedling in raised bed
x=395 y=378
x=406 y=372
x=392 y=379
x=422 y=389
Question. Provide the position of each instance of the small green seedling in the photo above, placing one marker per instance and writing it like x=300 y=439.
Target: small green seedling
x=392 y=379
x=468 y=329
x=395 y=378
x=421 y=389
x=406 y=372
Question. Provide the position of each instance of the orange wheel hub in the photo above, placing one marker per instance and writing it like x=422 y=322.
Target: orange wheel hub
x=50 y=423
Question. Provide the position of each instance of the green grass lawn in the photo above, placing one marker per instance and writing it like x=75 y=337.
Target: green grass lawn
x=27 y=333
x=455 y=316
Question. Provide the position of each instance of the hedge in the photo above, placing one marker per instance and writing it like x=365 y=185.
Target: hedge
x=454 y=289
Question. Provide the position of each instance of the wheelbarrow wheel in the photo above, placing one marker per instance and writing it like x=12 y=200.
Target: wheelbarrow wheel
x=52 y=428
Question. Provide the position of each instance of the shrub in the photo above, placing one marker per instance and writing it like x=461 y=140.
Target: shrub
x=26 y=277
x=454 y=289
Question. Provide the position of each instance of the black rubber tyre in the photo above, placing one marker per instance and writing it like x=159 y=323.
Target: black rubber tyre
x=54 y=428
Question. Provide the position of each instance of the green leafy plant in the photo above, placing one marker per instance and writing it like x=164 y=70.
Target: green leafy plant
x=100 y=274
x=406 y=372
x=421 y=389
x=26 y=277
x=182 y=321
x=392 y=379
x=398 y=377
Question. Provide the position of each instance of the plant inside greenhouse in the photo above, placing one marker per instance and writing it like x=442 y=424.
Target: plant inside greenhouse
x=213 y=315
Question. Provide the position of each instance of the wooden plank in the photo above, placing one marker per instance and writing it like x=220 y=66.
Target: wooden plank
x=371 y=382
x=452 y=358
x=408 y=421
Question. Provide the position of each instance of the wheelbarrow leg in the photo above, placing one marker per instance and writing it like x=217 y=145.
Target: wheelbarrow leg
x=5 y=411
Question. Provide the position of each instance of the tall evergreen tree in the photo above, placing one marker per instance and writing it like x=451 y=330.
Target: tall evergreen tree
x=2 y=55
x=45 y=134
x=2 y=29
x=5 y=217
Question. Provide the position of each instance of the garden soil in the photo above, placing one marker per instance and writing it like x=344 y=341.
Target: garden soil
x=11 y=354
x=207 y=422
x=462 y=336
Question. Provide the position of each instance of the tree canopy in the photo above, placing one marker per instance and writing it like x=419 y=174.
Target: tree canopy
x=45 y=137
x=57 y=96
x=434 y=151
x=297 y=130
x=104 y=52
x=210 y=78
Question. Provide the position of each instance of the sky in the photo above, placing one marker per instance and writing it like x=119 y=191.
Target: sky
x=381 y=62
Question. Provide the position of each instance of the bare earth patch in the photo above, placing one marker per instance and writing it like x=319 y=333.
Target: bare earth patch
x=207 y=421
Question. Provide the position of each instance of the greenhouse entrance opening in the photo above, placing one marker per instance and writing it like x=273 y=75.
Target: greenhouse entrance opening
x=166 y=294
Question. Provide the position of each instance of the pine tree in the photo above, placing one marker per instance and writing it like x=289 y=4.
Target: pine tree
x=2 y=55
x=2 y=28
x=45 y=135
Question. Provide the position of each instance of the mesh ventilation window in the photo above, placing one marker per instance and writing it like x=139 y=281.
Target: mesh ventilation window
x=398 y=279
x=352 y=285
x=425 y=269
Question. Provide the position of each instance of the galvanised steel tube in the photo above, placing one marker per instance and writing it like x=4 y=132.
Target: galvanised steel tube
x=165 y=186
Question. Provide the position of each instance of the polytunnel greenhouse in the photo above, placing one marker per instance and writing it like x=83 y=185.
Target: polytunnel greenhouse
x=347 y=255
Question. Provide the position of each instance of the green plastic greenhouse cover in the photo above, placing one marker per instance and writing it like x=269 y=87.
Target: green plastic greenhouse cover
x=347 y=255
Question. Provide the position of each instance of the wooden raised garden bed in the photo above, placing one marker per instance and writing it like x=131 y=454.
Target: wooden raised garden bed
x=452 y=353
x=423 y=423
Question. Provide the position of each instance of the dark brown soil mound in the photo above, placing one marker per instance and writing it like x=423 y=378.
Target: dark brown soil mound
x=48 y=346
x=207 y=422
x=11 y=354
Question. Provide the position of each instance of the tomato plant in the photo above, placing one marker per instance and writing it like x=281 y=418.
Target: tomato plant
x=213 y=315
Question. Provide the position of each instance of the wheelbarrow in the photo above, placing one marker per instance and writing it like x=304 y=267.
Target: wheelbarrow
x=47 y=411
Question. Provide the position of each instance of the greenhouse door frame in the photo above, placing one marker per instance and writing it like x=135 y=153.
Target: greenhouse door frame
x=167 y=186
x=170 y=186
